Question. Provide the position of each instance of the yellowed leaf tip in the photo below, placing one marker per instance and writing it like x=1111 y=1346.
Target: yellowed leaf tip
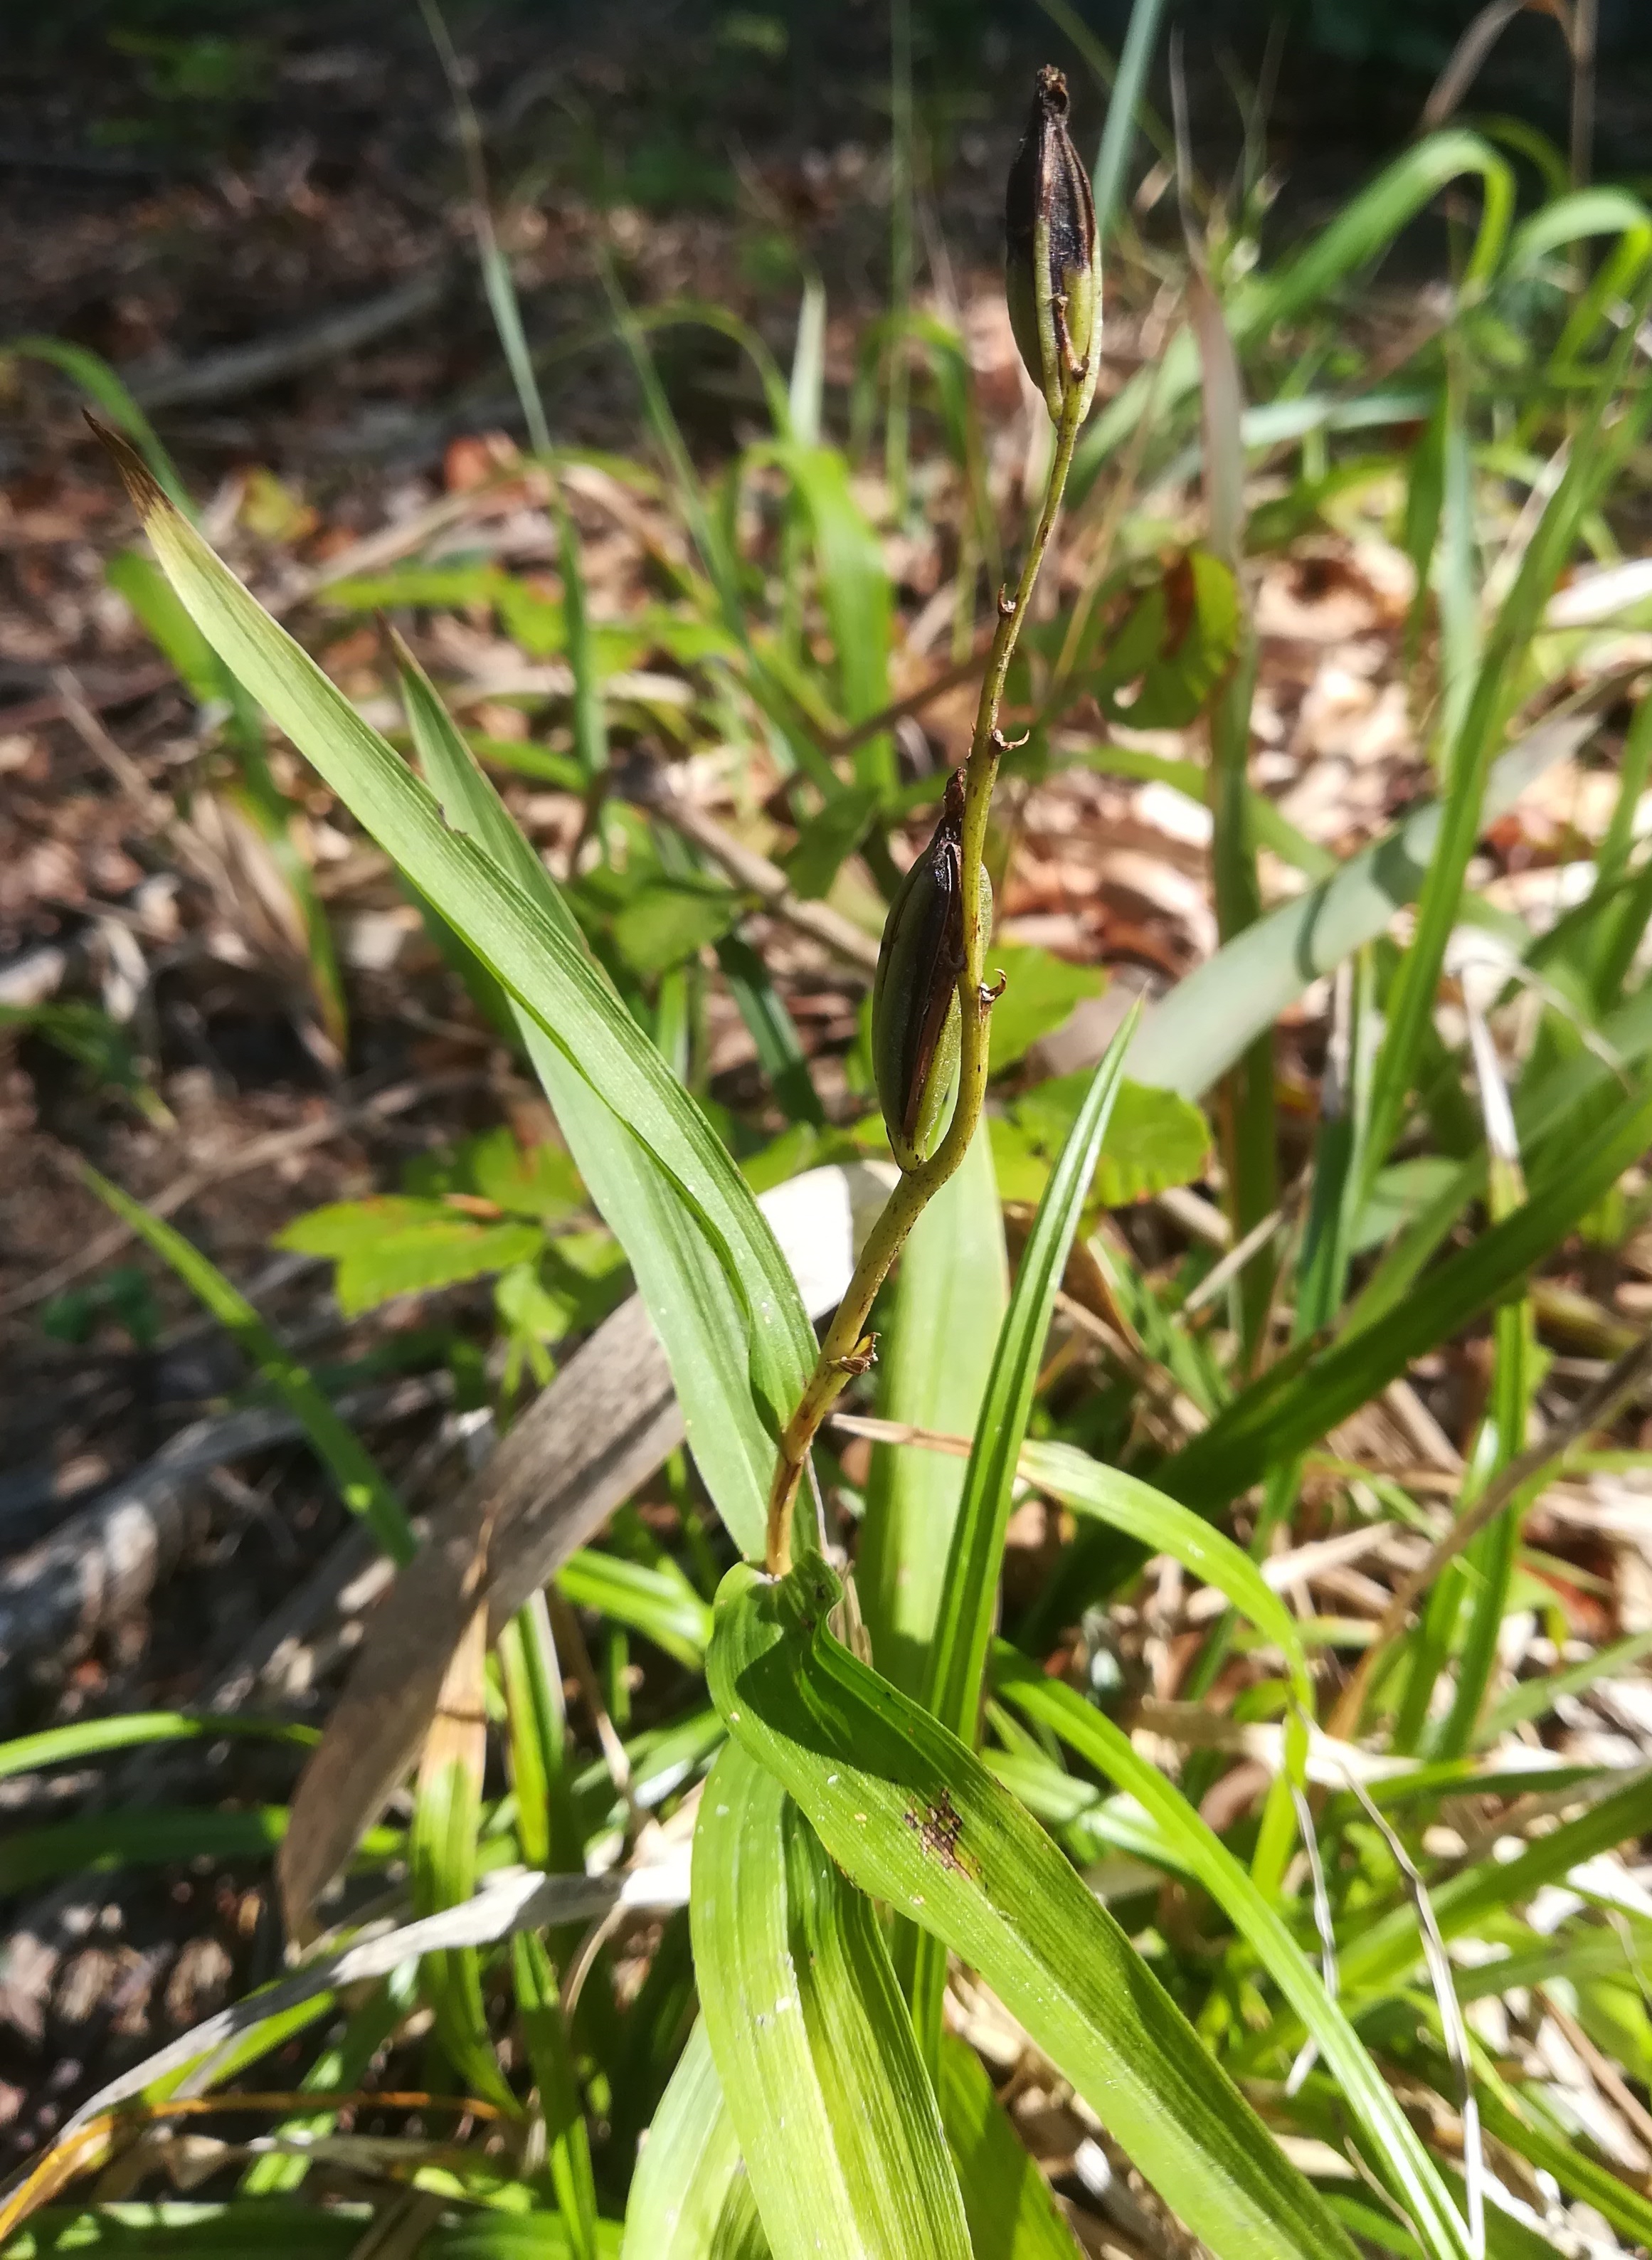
x=138 y=479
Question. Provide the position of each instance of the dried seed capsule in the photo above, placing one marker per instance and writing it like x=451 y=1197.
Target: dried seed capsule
x=1052 y=258
x=915 y=1021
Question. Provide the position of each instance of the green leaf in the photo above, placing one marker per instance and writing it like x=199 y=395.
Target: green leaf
x=677 y=1260
x=89 y=1738
x=826 y=838
x=838 y=2125
x=1201 y=1854
x=854 y=589
x=393 y=1245
x=1040 y=992
x=667 y=920
x=913 y=1817
x=247 y=2226
x=434 y=587
x=932 y=1366
x=1176 y=648
x=156 y=1838
x=690 y=2198
x=1154 y=1139
x=969 y=1596
x=540 y=1180
x=658 y=1602
x=516 y=935
x=1008 y=2202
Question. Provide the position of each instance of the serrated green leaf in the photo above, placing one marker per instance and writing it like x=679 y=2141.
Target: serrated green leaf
x=1176 y=648
x=1155 y=1138
x=441 y=1254
x=667 y=920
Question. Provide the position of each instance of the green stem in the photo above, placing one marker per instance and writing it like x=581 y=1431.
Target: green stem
x=845 y=1351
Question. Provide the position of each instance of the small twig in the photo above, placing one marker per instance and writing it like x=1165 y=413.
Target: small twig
x=1234 y=1262
x=1601 y=2068
x=257 y=1154
x=92 y=734
x=1597 y=1410
x=766 y=880
x=910 y=702
x=31 y=712
x=259 y=361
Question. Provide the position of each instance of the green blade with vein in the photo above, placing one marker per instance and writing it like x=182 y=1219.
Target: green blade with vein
x=690 y=2198
x=913 y=1817
x=1413 y=2177
x=514 y=936
x=691 y=1301
x=837 y=2122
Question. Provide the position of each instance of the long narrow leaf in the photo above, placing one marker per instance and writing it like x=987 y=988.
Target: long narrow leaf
x=837 y=2122
x=514 y=937
x=914 y=1816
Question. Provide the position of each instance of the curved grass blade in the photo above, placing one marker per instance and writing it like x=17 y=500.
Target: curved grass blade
x=1010 y=2211
x=674 y=1260
x=690 y=2198
x=89 y=1738
x=1412 y=2176
x=963 y=1629
x=837 y=2122
x=515 y=937
x=915 y=1817
x=1166 y=1526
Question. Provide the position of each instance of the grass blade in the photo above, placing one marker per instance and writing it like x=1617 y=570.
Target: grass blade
x=1413 y=2177
x=839 y=2129
x=690 y=2198
x=915 y=1817
x=530 y=952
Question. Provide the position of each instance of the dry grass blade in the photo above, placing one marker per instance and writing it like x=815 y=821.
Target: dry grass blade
x=1597 y=1410
x=605 y=1422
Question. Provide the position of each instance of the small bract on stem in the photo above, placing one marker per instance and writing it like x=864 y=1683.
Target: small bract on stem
x=936 y=935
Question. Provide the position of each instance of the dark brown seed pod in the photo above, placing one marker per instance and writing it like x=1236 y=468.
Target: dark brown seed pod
x=1052 y=257
x=915 y=1017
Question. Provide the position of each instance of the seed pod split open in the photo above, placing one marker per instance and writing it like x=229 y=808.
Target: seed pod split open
x=1052 y=257
x=915 y=1017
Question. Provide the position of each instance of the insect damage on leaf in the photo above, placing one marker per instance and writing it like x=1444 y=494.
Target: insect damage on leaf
x=939 y=1828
